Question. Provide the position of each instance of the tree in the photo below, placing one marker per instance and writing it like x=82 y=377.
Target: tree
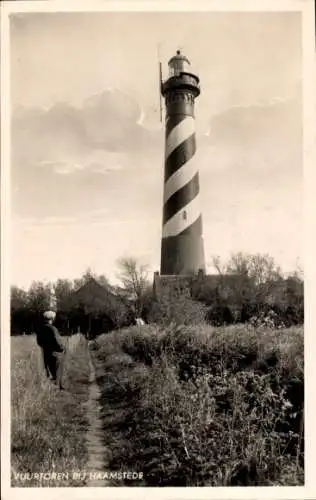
x=18 y=298
x=63 y=289
x=38 y=297
x=102 y=279
x=247 y=281
x=260 y=268
x=87 y=276
x=38 y=301
x=19 y=311
x=134 y=278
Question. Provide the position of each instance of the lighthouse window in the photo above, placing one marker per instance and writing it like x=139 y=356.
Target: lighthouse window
x=173 y=71
x=177 y=67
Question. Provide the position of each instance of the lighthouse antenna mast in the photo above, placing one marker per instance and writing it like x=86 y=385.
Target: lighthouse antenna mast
x=160 y=82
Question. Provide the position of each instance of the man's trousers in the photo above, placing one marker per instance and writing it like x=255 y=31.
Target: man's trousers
x=54 y=365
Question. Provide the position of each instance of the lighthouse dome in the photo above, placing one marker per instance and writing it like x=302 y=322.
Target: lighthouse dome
x=178 y=64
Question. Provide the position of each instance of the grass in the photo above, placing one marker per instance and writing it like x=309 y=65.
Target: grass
x=47 y=426
x=204 y=406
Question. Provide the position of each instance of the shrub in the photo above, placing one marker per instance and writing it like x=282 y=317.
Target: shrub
x=178 y=309
x=269 y=320
x=215 y=430
x=210 y=406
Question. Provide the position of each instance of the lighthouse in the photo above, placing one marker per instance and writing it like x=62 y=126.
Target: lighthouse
x=182 y=247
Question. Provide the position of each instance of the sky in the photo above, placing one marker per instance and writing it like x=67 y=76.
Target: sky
x=87 y=145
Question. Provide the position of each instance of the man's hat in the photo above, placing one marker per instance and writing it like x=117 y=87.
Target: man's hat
x=49 y=315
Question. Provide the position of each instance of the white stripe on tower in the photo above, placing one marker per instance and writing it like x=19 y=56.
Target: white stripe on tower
x=183 y=219
x=180 y=178
x=181 y=189
x=178 y=134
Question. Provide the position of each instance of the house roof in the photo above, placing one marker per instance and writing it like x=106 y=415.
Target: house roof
x=92 y=286
x=93 y=295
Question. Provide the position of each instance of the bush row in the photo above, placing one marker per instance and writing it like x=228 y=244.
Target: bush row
x=205 y=405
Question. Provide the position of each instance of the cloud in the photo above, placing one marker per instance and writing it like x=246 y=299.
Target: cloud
x=99 y=217
x=95 y=136
x=68 y=161
x=100 y=162
x=242 y=124
x=66 y=168
x=48 y=138
x=262 y=136
x=141 y=118
x=60 y=167
x=101 y=169
x=34 y=222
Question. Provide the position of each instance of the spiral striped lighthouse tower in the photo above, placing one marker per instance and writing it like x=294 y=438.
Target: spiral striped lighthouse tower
x=182 y=247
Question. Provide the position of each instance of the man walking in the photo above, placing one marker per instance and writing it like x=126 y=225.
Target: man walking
x=53 y=350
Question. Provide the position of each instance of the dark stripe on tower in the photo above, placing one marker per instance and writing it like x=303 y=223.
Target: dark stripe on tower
x=173 y=121
x=184 y=253
x=181 y=198
x=195 y=230
x=179 y=156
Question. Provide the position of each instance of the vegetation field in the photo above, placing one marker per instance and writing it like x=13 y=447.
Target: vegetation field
x=203 y=405
x=47 y=426
x=184 y=405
